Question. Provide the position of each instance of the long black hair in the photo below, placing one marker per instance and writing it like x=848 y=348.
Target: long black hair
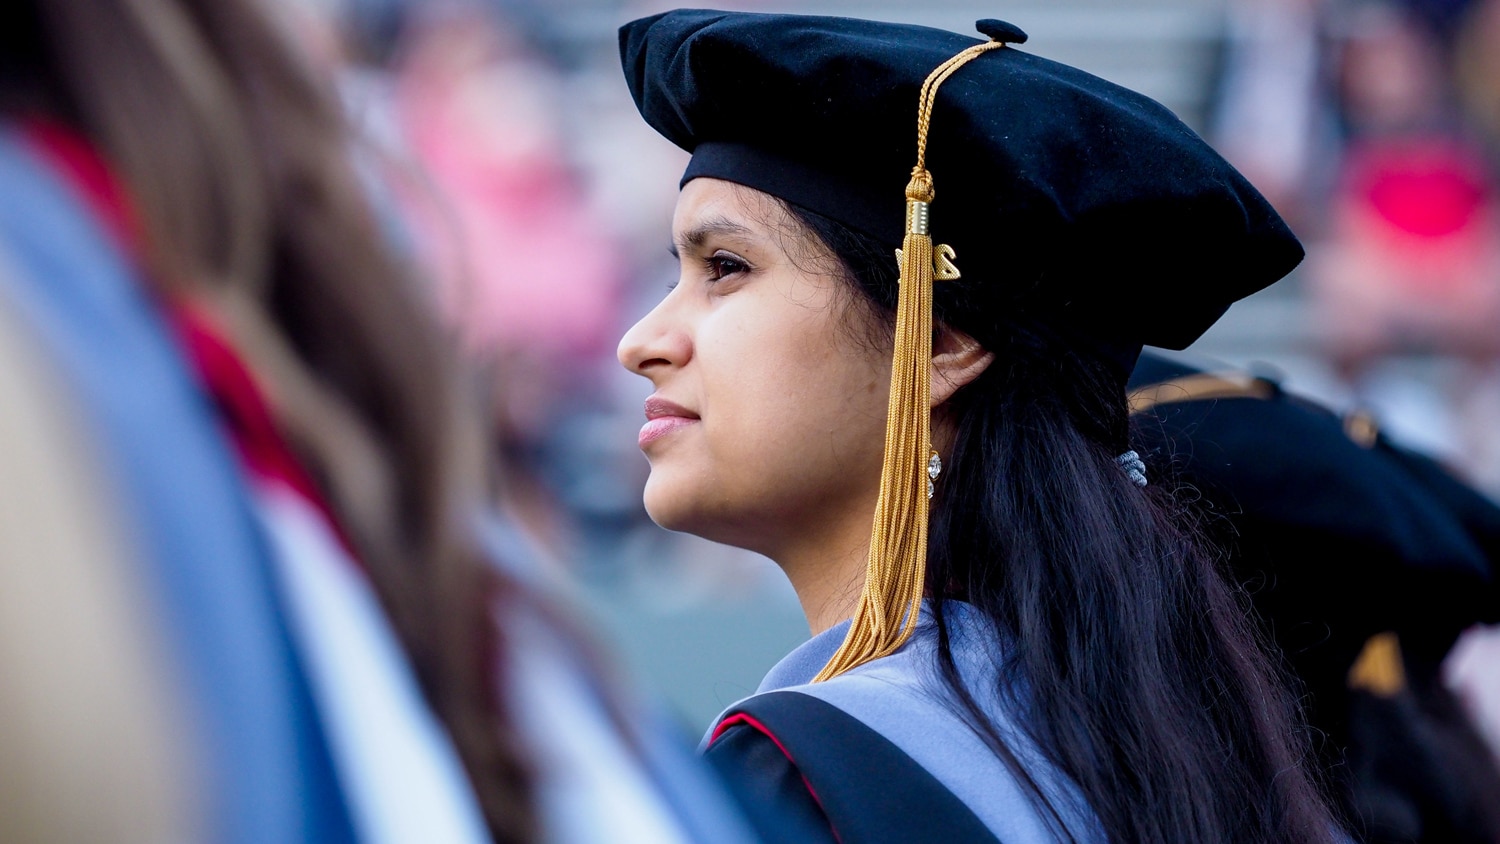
x=1146 y=680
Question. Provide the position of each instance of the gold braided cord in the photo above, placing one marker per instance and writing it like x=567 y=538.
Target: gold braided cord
x=929 y=96
x=896 y=567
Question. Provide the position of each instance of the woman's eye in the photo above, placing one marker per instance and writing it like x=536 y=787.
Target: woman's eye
x=722 y=266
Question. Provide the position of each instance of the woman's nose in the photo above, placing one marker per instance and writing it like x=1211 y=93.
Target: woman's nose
x=657 y=342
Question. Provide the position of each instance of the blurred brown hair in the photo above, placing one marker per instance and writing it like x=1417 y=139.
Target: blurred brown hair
x=238 y=163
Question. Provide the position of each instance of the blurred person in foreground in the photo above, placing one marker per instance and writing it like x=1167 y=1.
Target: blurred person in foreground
x=256 y=485
x=1366 y=563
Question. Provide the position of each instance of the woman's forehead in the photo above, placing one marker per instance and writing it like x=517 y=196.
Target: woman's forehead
x=708 y=208
x=714 y=200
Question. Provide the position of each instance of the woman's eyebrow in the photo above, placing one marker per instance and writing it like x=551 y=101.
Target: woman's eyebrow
x=696 y=235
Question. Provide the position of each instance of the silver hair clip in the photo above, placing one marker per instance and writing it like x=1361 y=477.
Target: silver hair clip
x=1133 y=466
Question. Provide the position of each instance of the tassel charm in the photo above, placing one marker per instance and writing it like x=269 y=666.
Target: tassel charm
x=943 y=268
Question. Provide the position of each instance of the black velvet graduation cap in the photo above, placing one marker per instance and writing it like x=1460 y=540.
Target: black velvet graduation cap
x=1054 y=187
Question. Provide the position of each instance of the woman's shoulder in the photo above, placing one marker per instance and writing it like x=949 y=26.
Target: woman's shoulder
x=903 y=701
x=906 y=696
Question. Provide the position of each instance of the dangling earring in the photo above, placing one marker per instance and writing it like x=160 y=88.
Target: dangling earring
x=934 y=468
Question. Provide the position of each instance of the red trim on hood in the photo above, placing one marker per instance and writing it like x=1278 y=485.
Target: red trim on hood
x=740 y=718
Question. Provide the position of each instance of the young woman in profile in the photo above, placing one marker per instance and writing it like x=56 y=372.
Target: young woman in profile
x=1046 y=654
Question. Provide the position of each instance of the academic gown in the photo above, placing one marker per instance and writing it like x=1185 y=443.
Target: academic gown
x=885 y=752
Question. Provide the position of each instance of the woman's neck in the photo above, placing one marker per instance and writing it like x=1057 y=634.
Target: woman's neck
x=828 y=571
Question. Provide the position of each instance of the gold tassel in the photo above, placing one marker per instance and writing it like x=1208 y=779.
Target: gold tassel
x=896 y=568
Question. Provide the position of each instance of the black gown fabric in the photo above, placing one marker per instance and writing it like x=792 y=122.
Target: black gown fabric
x=826 y=777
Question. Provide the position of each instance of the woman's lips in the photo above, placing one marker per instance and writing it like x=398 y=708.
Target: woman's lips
x=662 y=418
x=660 y=427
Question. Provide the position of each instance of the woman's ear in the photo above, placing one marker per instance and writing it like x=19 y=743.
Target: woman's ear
x=957 y=359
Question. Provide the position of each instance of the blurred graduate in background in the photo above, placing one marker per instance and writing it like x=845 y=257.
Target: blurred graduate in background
x=1366 y=562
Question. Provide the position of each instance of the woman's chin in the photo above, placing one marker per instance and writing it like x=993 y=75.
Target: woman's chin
x=681 y=507
x=668 y=503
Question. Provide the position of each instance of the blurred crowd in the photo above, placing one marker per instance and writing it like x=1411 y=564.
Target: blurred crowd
x=1375 y=127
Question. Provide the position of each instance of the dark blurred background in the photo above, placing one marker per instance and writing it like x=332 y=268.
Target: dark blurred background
x=516 y=171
